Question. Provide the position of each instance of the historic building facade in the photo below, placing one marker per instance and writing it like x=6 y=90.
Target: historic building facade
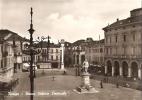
x=88 y=49
x=50 y=56
x=10 y=53
x=94 y=52
x=78 y=52
x=123 y=46
x=6 y=60
x=17 y=44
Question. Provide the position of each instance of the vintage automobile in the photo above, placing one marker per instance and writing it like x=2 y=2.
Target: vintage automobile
x=26 y=67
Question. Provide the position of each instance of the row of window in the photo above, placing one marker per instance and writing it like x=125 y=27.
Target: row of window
x=133 y=26
x=124 y=50
x=94 y=58
x=38 y=58
x=98 y=50
x=6 y=62
x=51 y=51
x=125 y=37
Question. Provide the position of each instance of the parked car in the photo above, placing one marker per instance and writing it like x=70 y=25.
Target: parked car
x=26 y=67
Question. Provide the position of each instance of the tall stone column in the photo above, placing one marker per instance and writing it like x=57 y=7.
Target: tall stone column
x=112 y=70
x=62 y=56
x=105 y=70
x=129 y=71
x=120 y=70
x=139 y=73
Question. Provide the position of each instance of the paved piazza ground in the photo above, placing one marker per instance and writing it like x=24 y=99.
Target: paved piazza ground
x=62 y=89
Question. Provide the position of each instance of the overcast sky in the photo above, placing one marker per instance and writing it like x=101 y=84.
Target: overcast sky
x=68 y=19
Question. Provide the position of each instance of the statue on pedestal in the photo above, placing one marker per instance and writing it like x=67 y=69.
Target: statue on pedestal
x=85 y=66
x=85 y=86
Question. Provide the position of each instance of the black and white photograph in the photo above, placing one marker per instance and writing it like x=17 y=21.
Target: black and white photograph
x=70 y=49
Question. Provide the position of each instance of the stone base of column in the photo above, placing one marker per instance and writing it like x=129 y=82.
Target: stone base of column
x=129 y=72
x=139 y=74
x=62 y=67
x=105 y=70
x=120 y=72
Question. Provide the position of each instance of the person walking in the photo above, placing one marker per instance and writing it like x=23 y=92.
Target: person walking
x=76 y=70
x=101 y=84
x=117 y=85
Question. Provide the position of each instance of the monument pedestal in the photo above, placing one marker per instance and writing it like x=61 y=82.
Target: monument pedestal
x=85 y=86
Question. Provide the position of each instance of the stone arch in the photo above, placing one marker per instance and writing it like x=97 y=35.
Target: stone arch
x=125 y=68
x=134 y=69
x=109 y=67
x=82 y=58
x=116 y=68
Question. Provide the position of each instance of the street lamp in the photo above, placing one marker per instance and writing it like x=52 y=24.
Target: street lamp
x=31 y=30
x=48 y=46
x=31 y=51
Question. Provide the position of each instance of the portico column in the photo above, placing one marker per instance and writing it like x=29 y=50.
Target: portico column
x=62 y=58
x=112 y=70
x=79 y=59
x=74 y=57
x=105 y=70
x=129 y=71
x=139 y=73
x=120 y=70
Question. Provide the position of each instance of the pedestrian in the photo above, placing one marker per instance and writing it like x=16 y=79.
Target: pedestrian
x=53 y=78
x=65 y=72
x=101 y=84
x=76 y=70
x=105 y=80
x=117 y=85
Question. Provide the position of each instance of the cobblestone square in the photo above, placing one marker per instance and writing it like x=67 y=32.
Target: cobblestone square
x=62 y=88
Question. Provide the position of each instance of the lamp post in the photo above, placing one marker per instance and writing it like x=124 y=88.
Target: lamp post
x=31 y=30
x=31 y=51
x=48 y=46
